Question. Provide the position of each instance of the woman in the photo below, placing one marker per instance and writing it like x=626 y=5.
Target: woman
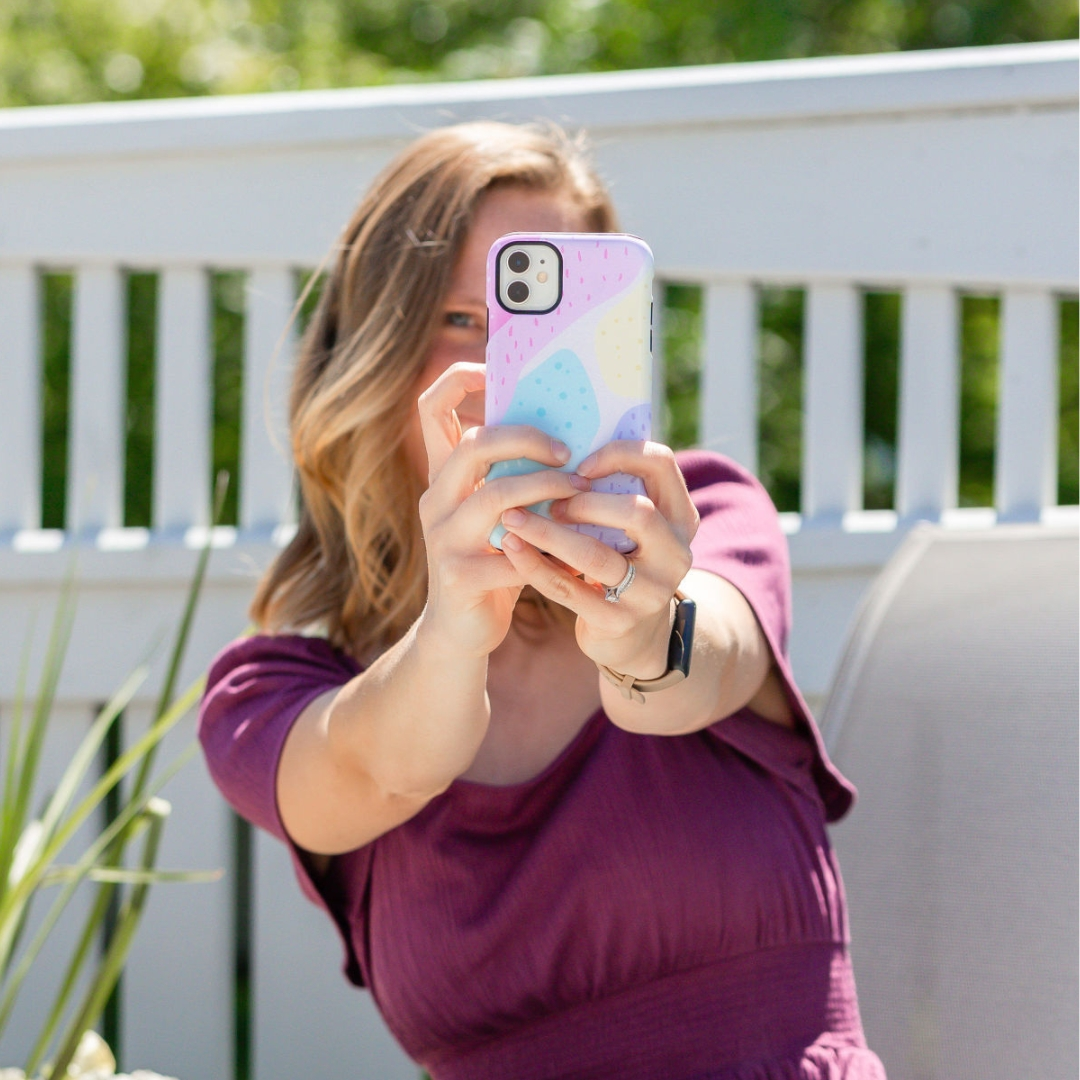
x=534 y=875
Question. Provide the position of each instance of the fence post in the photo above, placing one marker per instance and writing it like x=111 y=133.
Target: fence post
x=927 y=474
x=20 y=391
x=1026 y=459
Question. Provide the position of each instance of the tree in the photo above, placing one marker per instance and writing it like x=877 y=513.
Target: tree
x=61 y=51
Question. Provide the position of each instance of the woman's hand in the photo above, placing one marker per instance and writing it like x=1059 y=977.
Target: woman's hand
x=472 y=589
x=631 y=635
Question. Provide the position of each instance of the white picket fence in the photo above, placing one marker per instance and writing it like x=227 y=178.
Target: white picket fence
x=931 y=174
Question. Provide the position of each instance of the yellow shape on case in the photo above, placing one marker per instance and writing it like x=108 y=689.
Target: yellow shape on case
x=620 y=344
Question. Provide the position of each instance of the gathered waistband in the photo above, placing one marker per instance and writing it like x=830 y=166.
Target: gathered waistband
x=746 y=1008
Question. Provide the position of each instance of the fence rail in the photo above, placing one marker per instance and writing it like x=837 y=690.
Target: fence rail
x=931 y=175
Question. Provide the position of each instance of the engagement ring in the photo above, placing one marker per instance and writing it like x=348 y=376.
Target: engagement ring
x=613 y=593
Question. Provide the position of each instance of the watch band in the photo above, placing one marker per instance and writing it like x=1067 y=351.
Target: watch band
x=680 y=647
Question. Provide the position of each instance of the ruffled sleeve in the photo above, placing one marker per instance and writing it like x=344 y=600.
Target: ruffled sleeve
x=255 y=690
x=740 y=540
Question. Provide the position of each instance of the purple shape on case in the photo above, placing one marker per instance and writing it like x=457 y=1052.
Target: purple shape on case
x=635 y=424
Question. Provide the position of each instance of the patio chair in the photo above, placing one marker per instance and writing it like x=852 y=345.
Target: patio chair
x=955 y=711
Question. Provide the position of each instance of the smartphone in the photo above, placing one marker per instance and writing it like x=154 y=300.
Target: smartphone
x=569 y=349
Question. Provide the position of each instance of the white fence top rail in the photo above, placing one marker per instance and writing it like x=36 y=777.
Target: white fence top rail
x=999 y=77
x=270 y=178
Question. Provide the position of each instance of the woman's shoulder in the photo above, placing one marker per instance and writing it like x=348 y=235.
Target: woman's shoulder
x=272 y=675
x=285 y=653
x=705 y=468
x=730 y=498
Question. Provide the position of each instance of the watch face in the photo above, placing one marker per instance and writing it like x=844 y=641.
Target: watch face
x=681 y=645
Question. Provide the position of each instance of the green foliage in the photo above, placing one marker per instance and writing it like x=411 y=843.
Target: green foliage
x=881 y=367
x=681 y=328
x=30 y=847
x=58 y=51
x=979 y=334
x=56 y=295
x=139 y=428
x=780 y=396
x=1068 y=487
x=227 y=295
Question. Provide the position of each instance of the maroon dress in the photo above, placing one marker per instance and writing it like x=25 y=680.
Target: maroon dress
x=647 y=908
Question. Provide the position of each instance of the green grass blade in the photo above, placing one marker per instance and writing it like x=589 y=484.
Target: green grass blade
x=90 y=935
x=183 y=631
x=84 y=756
x=128 y=818
x=30 y=755
x=9 y=827
x=118 y=875
x=112 y=963
x=127 y=761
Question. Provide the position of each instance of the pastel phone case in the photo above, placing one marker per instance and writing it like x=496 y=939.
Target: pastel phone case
x=581 y=372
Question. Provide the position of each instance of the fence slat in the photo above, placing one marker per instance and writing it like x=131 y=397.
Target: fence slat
x=95 y=491
x=729 y=382
x=307 y=1019
x=265 y=468
x=1026 y=458
x=20 y=391
x=182 y=405
x=929 y=425
x=832 y=401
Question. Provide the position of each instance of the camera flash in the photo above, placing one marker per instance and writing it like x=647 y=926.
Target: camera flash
x=541 y=277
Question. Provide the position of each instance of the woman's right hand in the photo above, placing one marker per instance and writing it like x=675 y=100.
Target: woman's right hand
x=472 y=589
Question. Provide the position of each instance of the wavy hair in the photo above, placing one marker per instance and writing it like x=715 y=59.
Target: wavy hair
x=356 y=567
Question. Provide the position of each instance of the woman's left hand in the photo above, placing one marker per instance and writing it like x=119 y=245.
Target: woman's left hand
x=631 y=635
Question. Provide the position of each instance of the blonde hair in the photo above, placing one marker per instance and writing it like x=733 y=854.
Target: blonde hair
x=356 y=566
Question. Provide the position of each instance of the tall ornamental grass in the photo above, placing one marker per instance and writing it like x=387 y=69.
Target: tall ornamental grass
x=31 y=847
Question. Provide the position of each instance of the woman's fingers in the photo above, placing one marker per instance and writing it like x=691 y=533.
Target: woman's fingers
x=551 y=579
x=655 y=464
x=636 y=515
x=437 y=404
x=584 y=553
x=661 y=560
x=470 y=522
x=481 y=448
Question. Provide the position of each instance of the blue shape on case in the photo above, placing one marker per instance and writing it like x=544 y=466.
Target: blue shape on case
x=558 y=398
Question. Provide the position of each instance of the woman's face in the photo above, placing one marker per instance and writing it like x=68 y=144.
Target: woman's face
x=462 y=331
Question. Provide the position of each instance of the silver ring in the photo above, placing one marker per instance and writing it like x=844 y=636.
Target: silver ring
x=613 y=593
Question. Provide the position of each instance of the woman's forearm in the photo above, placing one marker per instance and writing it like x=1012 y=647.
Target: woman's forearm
x=729 y=664
x=415 y=719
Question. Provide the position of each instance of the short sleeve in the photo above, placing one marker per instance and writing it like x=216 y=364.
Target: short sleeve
x=740 y=540
x=255 y=690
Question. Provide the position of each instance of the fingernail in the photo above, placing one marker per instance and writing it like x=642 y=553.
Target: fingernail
x=560 y=451
x=513 y=517
x=586 y=466
x=514 y=543
x=582 y=483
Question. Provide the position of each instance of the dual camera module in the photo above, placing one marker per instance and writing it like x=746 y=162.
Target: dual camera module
x=529 y=275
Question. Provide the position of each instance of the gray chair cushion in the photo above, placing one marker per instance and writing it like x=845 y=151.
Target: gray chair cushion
x=955 y=711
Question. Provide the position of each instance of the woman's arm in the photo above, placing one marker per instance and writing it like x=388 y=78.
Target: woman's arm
x=369 y=756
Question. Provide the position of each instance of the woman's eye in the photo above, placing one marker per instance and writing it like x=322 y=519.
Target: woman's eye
x=460 y=318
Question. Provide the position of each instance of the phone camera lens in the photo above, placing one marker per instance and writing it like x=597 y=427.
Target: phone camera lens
x=517 y=292
x=518 y=263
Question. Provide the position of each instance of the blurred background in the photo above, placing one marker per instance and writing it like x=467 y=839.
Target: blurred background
x=56 y=52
